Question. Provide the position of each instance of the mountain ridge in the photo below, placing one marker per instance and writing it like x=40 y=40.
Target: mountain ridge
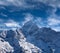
x=30 y=38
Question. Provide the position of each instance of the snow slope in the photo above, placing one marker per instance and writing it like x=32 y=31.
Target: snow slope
x=30 y=39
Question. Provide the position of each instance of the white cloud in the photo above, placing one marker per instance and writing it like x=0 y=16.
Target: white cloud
x=12 y=2
x=28 y=17
x=54 y=3
x=38 y=21
x=12 y=23
x=53 y=21
x=23 y=3
x=56 y=28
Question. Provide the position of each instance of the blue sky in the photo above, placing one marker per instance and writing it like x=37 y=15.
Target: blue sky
x=45 y=13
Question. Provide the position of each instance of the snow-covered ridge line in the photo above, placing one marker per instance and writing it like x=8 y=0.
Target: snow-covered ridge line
x=29 y=39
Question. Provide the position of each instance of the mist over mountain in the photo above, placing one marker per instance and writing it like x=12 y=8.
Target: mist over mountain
x=29 y=26
x=30 y=39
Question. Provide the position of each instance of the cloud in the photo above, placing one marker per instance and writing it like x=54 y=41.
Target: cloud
x=39 y=22
x=12 y=2
x=53 y=21
x=27 y=18
x=2 y=14
x=9 y=24
x=12 y=24
x=56 y=28
x=54 y=3
x=30 y=4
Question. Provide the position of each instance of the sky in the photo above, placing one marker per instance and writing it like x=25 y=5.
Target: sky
x=15 y=13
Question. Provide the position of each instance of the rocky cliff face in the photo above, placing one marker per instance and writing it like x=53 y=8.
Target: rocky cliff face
x=30 y=39
x=42 y=37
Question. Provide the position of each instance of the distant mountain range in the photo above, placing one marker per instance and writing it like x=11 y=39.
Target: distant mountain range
x=30 y=39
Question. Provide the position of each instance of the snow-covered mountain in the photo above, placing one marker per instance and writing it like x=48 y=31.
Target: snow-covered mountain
x=30 y=39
